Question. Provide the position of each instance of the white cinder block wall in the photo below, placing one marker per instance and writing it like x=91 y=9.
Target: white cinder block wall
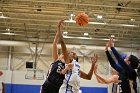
x=19 y=55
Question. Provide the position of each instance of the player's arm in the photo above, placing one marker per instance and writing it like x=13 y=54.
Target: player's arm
x=68 y=67
x=101 y=79
x=3 y=90
x=55 y=42
x=64 y=51
x=89 y=75
x=63 y=45
x=110 y=59
x=121 y=61
x=112 y=62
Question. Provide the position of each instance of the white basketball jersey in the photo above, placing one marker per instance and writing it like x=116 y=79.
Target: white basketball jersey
x=71 y=83
x=1 y=87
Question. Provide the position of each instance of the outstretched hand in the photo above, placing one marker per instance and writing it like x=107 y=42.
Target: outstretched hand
x=94 y=59
x=60 y=24
x=69 y=66
x=111 y=42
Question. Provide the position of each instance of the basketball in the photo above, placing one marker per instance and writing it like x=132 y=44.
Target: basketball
x=82 y=19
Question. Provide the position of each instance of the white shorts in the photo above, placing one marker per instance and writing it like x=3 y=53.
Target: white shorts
x=68 y=89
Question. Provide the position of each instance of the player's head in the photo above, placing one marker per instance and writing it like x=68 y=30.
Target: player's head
x=61 y=57
x=73 y=55
x=1 y=73
x=132 y=61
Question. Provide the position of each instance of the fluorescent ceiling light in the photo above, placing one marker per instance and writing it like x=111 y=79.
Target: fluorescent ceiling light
x=2 y=16
x=112 y=36
x=108 y=39
x=7 y=29
x=98 y=23
x=9 y=33
x=72 y=15
x=12 y=43
x=73 y=21
x=70 y=21
x=129 y=25
x=77 y=37
x=86 y=38
x=132 y=19
x=65 y=33
x=85 y=34
x=99 y=17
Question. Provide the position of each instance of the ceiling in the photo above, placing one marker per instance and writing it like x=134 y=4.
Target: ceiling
x=36 y=21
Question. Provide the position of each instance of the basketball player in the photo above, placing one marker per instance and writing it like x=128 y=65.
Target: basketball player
x=2 y=86
x=71 y=83
x=112 y=81
x=57 y=70
x=127 y=73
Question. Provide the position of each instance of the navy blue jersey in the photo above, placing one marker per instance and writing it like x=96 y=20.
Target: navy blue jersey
x=54 y=75
x=127 y=74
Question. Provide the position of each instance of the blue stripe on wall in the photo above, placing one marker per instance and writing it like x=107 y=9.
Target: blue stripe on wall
x=8 y=88
x=93 y=90
x=20 y=88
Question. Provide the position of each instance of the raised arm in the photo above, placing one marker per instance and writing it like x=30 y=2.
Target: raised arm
x=112 y=79
x=63 y=45
x=89 y=75
x=65 y=52
x=120 y=59
x=99 y=78
x=55 y=42
x=111 y=60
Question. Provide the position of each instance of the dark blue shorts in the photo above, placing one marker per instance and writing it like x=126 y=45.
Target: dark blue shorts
x=47 y=87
